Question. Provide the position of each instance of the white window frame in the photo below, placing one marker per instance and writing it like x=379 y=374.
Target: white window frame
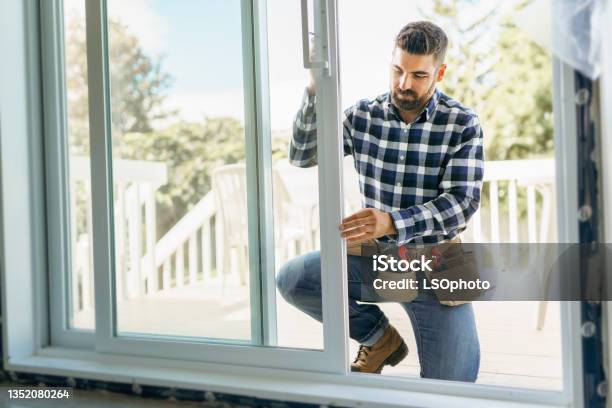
x=57 y=171
x=605 y=104
x=23 y=255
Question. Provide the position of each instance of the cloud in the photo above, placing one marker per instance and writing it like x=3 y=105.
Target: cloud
x=142 y=20
x=193 y=106
x=138 y=15
x=285 y=98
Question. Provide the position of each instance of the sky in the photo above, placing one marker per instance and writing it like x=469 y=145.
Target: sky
x=201 y=46
x=200 y=42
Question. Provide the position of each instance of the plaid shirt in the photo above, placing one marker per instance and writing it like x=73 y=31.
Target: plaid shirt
x=426 y=174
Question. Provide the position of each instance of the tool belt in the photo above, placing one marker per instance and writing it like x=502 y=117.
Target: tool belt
x=449 y=263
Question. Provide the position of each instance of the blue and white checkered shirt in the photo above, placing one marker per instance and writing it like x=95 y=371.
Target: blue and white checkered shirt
x=427 y=174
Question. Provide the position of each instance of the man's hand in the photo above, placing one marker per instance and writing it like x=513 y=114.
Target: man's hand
x=365 y=224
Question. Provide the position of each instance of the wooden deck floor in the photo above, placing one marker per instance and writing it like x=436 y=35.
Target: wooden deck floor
x=513 y=352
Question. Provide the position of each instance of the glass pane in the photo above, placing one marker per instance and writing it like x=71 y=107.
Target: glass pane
x=80 y=277
x=295 y=187
x=497 y=64
x=177 y=102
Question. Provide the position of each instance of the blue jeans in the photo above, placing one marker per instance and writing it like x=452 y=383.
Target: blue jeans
x=446 y=336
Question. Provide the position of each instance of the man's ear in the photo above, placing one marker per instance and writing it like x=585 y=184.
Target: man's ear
x=441 y=72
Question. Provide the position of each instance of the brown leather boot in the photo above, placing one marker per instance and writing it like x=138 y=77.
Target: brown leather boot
x=389 y=349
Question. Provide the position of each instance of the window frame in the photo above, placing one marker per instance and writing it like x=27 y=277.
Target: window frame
x=566 y=182
x=22 y=187
x=57 y=171
x=25 y=345
x=605 y=113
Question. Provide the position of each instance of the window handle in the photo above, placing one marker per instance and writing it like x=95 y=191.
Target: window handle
x=324 y=63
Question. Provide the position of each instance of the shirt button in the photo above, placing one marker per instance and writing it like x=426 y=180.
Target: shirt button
x=399 y=184
x=402 y=157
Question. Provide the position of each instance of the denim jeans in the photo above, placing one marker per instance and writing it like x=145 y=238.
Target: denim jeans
x=446 y=336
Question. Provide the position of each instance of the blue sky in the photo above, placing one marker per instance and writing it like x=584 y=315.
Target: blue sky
x=204 y=43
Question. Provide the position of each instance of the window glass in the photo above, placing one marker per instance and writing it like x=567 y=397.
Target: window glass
x=180 y=197
x=296 y=185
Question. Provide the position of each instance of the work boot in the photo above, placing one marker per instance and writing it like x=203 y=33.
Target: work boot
x=389 y=349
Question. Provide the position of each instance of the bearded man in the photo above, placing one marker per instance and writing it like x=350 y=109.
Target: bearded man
x=419 y=156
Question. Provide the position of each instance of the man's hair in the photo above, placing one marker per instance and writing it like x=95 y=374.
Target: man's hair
x=423 y=38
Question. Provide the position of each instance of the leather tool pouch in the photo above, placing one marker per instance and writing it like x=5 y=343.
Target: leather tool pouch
x=455 y=266
x=451 y=265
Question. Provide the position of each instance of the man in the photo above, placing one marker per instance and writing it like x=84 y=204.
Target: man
x=419 y=155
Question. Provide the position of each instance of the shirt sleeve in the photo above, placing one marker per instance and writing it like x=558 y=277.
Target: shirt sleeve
x=303 y=146
x=460 y=185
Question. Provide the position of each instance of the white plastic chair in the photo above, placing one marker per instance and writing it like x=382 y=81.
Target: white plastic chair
x=352 y=195
x=229 y=186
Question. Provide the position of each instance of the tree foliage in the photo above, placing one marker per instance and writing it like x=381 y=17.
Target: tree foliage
x=142 y=128
x=519 y=112
x=138 y=84
x=190 y=151
x=502 y=75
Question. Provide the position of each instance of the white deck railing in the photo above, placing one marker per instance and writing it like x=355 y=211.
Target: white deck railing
x=184 y=255
x=190 y=236
x=508 y=177
x=135 y=184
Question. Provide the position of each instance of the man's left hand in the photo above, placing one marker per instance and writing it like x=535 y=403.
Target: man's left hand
x=366 y=224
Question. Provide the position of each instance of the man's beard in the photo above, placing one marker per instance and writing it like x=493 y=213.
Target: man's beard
x=408 y=100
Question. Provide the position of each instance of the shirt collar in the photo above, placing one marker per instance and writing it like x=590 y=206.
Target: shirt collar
x=426 y=112
x=431 y=105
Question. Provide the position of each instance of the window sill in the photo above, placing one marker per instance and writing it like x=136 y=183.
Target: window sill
x=324 y=389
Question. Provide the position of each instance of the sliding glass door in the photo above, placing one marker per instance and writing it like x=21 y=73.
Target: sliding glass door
x=197 y=204
x=175 y=204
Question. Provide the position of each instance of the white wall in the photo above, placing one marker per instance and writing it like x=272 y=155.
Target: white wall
x=21 y=202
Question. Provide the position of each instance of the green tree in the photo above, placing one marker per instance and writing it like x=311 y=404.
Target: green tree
x=138 y=84
x=191 y=151
x=139 y=87
x=497 y=70
x=76 y=84
x=519 y=112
